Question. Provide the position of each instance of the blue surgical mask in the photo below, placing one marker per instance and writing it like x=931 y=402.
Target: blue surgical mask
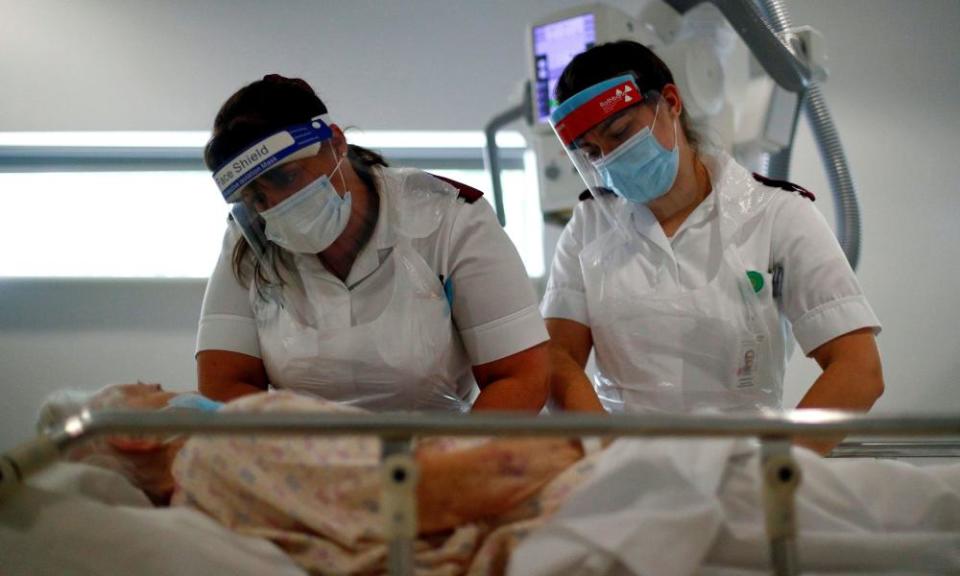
x=640 y=169
x=309 y=221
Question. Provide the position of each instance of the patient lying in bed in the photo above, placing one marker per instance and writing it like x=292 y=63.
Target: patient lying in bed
x=639 y=507
x=318 y=498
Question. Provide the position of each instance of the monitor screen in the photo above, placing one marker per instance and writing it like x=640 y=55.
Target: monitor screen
x=554 y=46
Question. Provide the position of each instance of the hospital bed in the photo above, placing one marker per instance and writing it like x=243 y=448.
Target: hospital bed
x=779 y=470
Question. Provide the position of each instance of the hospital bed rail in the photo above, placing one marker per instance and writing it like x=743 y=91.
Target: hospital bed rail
x=898 y=449
x=779 y=470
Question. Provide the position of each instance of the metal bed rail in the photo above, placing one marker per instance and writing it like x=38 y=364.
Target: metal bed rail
x=896 y=449
x=780 y=473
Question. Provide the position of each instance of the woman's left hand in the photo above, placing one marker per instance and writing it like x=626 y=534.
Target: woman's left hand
x=852 y=380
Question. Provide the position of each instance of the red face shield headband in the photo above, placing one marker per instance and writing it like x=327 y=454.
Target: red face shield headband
x=593 y=105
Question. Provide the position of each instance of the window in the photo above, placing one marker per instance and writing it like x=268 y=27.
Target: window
x=142 y=205
x=111 y=224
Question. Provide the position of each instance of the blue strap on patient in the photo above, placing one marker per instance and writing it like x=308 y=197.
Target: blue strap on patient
x=194 y=402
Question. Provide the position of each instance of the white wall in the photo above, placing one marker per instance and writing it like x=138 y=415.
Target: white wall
x=894 y=93
x=83 y=334
x=378 y=64
x=436 y=64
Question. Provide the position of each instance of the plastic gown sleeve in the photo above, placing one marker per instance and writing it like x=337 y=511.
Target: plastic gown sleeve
x=494 y=305
x=226 y=319
x=821 y=294
x=565 y=296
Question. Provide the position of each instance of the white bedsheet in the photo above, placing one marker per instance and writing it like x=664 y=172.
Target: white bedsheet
x=79 y=520
x=685 y=507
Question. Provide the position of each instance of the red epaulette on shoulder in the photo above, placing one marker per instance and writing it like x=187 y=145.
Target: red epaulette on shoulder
x=588 y=194
x=468 y=193
x=784 y=185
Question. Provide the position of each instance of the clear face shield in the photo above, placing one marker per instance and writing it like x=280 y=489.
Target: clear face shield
x=606 y=109
x=233 y=177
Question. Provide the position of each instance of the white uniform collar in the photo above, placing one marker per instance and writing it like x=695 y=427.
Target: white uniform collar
x=409 y=208
x=735 y=193
x=739 y=196
x=384 y=236
x=376 y=249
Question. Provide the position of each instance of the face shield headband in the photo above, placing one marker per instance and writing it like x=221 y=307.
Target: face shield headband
x=291 y=143
x=593 y=105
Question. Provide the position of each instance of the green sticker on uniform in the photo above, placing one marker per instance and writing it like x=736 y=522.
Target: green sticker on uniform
x=756 y=280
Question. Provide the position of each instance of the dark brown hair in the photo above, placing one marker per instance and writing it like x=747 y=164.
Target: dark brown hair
x=613 y=59
x=256 y=111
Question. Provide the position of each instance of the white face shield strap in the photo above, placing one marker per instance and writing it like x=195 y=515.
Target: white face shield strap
x=291 y=143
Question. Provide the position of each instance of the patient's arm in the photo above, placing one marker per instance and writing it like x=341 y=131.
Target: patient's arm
x=486 y=481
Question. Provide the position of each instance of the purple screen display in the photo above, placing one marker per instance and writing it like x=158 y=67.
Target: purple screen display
x=554 y=46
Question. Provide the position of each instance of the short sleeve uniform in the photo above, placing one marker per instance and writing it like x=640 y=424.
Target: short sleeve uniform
x=492 y=303
x=818 y=294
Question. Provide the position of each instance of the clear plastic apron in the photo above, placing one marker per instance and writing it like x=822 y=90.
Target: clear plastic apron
x=666 y=349
x=408 y=358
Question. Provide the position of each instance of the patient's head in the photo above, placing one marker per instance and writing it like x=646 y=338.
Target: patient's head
x=132 y=396
x=144 y=461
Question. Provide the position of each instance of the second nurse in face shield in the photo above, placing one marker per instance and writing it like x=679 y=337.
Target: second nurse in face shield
x=684 y=271
x=388 y=289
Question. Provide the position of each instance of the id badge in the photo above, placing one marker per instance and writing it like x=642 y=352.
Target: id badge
x=749 y=361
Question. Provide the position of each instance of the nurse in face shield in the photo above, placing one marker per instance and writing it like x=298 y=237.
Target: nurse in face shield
x=684 y=272
x=383 y=288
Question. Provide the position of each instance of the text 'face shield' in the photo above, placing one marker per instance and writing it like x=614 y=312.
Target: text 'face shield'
x=291 y=143
x=233 y=177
